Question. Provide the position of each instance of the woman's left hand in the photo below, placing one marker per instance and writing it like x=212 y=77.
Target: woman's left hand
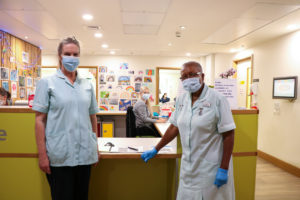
x=99 y=155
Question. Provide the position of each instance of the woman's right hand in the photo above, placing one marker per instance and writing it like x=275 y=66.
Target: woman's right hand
x=161 y=120
x=44 y=163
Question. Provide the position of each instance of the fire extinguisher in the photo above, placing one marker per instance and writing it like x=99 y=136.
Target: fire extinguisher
x=30 y=100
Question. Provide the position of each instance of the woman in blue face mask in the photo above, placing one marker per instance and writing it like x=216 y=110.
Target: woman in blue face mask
x=144 y=119
x=204 y=121
x=66 y=126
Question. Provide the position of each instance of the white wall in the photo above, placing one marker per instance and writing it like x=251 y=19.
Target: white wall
x=223 y=62
x=279 y=134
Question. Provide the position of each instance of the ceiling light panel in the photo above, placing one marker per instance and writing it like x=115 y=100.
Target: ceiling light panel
x=144 y=5
x=140 y=30
x=142 y=18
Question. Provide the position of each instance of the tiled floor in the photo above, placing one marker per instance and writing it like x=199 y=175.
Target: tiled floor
x=272 y=183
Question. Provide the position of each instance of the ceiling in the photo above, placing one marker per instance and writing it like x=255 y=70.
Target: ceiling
x=148 y=27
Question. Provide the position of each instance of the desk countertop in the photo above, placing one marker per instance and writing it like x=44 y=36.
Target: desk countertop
x=26 y=109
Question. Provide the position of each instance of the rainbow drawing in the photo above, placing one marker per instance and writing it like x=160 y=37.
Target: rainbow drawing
x=103 y=108
x=130 y=89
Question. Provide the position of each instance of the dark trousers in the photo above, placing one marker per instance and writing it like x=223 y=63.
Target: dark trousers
x=69 y=183
x=147 y=131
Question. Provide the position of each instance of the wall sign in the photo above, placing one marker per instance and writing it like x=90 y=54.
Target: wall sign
x=228 y=88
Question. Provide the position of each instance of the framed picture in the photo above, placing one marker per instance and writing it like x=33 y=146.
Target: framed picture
x=22 y=93
x=4 y=73
x=29 y=82
x=14 y=75
x=22 y=81
x=5 y=85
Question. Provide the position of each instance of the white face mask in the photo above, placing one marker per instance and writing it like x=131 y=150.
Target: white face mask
x=191 y=84
x=146 y=96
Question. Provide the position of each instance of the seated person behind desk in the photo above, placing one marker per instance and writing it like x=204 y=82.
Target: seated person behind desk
x=164 y=98
x=4 y=97
x=144 y=120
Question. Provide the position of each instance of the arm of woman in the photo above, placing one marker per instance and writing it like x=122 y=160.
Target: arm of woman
x=228 y=142
x=93 y=118
x=40 y=125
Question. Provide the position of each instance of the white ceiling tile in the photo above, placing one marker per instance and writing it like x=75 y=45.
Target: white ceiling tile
x=145 y=5
x=40 y=21
x=141 y=29
x=267 y=11
x=142 y=18
x=20 y=5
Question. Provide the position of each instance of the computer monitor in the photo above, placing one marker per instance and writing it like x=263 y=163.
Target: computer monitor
x=285 y=87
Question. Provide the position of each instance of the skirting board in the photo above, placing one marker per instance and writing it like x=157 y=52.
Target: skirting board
x=279 y=163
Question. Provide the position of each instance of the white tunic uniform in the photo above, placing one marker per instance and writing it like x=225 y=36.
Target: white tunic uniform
x=200 y=128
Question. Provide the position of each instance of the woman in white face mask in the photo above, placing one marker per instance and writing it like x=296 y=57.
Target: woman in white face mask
x=204 y=121
x=66 y=126
x=144 y=119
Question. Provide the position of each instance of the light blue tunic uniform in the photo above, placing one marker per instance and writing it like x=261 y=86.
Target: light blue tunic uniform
x=70 y=140
x=201 y=127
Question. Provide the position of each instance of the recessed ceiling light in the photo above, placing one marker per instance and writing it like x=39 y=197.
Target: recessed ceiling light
x=98 y=35
x=233 y=50
x=112 y=52
x=188 y=54
x=26 y=37
x=169 y=44
x=292 y=27
x=104 y=46
x=87 y=17
x=182 y=27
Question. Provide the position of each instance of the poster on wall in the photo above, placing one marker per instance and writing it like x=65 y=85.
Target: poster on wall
x=114 y=102
x=104 y=101
x=29 y=82
x=22 y=93
x=110 y=78
x=147 y=79
x=125 y=95
x=14 y=75
x=124 y=104
x=14 y=88
x=150 y=72
x=5 y=85
x=124 y=66
x=104 y=94
x=102 y=69
x=25 y=57
x=124 y=80
x=228 y=88
x=102 y=79
x=103 y=108
x=22 y=81
x=140 y=72
x=137 y=87
x=138 y=79
x=4 y=73
x=130 y=89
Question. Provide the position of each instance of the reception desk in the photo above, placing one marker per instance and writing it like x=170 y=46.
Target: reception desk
x=118 y=175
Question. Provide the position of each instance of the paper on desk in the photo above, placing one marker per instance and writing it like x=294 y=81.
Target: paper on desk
x=120 y=149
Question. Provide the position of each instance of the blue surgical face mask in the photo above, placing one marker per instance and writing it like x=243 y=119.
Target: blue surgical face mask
x=146 y=96
x=191 y=84
x=70 y=63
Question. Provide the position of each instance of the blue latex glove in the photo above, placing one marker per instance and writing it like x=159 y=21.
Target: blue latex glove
x=147 y=155
x=221 y=177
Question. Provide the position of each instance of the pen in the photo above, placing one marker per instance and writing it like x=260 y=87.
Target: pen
x=133 y=148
